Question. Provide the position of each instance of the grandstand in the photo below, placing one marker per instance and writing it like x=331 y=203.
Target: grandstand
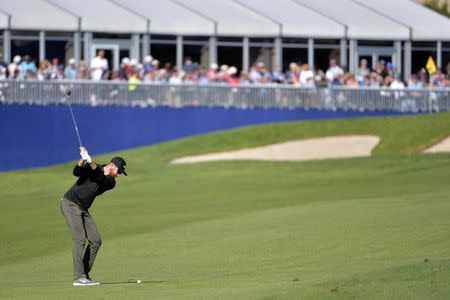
x=234 y=32
x=228 y=63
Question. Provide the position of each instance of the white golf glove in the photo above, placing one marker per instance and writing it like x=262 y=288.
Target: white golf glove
x=85 y=156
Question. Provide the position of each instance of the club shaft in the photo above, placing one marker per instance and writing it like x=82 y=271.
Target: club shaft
x=74 y=122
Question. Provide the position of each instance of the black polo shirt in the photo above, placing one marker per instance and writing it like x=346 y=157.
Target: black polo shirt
x=90 y=184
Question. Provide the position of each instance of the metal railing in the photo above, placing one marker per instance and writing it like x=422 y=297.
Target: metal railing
x=227 y=96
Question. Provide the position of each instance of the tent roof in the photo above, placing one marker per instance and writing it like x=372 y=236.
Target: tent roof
x=3 y=19
x=233 y=19
x=296 y=19
x=355 y=19
x=103 y=16
x=167 y=17
x=32 y=14
x=362 y=22
x=425 y=23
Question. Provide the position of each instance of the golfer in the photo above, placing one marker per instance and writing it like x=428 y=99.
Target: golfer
x=93 y=180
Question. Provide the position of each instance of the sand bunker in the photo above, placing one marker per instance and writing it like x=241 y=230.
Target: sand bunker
x=311 y=149
x=443 y=146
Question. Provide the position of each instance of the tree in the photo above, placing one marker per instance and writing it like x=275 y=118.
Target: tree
x=441 y=7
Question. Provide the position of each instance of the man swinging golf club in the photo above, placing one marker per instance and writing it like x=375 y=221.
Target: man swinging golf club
x=93 y=180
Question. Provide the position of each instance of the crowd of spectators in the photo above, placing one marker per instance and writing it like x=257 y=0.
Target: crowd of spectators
x=383 y=74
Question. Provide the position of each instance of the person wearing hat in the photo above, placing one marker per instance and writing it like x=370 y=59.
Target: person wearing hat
x=93 y=180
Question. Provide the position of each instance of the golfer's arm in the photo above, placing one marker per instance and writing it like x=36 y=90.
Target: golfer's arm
x=80 y=162
x=93 y=165
x=78 y=170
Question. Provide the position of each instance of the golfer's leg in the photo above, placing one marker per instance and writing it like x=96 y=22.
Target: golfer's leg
x=94 y=242
x=73 y=214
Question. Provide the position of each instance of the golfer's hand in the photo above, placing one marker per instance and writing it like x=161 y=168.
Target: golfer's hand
x=85 y=155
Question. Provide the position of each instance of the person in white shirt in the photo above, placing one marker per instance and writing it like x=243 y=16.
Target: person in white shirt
x=334 y=73
x=14 y=66
x=307 y=76
x=99 y=65
x=397 y=84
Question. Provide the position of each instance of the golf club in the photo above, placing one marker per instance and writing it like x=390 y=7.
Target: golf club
x=68 y=93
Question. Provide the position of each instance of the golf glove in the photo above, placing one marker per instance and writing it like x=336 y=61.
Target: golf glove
x=85 y=156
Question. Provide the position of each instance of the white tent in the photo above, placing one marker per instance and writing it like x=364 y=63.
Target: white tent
x=362 y=22
x=296 y=19
x=355 y=19
x=3 y=19
x=425 y=24
x=234 y=19
x=167 y=17
x=103 y=16
x=36 y=15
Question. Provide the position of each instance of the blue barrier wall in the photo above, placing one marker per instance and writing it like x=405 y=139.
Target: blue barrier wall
x=34 y=136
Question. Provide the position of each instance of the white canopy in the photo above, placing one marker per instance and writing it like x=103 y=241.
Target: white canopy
x=296 y=19
x=355 y=19
x=234 y=19
x=3 y=19
x=103 y=16
x=425 y=23
x=32 y=15
x=362 y=22
x=167 y=17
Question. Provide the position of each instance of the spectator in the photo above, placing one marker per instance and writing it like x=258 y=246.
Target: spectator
x=212 y=73
x=391 y=69
x=44 y=70
x=125 y=68
x=375 y=80
x=70 y=71
x=176 y=77
x=28 y=67
x=202 y=77
x=189 y=66
x=148 y=67
x=162 y=76
x=98 y=66
x=14 y=67
x=56 y=70
x=306 y=77
x=380 y=68
x=255 y=75
x=115 y=76
x=334 y=73
x=230 y=76
x=362 y=72
x=397 y=84
x=133 y=81
x=293 y=74
x=244 y=78
x=414 y=83
x=387 y=81
x=349 y=80
x=155 y=64
x=437 y=79
x=190 y=78
x=2 y=72
x=277 y=76
x=83 y=72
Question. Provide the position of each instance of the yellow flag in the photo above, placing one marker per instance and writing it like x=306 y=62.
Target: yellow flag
x=431 y=66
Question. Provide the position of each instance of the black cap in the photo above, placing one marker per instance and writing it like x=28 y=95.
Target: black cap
x=120 y=164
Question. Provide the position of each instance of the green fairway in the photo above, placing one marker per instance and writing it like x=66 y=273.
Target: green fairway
x=371 y=228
